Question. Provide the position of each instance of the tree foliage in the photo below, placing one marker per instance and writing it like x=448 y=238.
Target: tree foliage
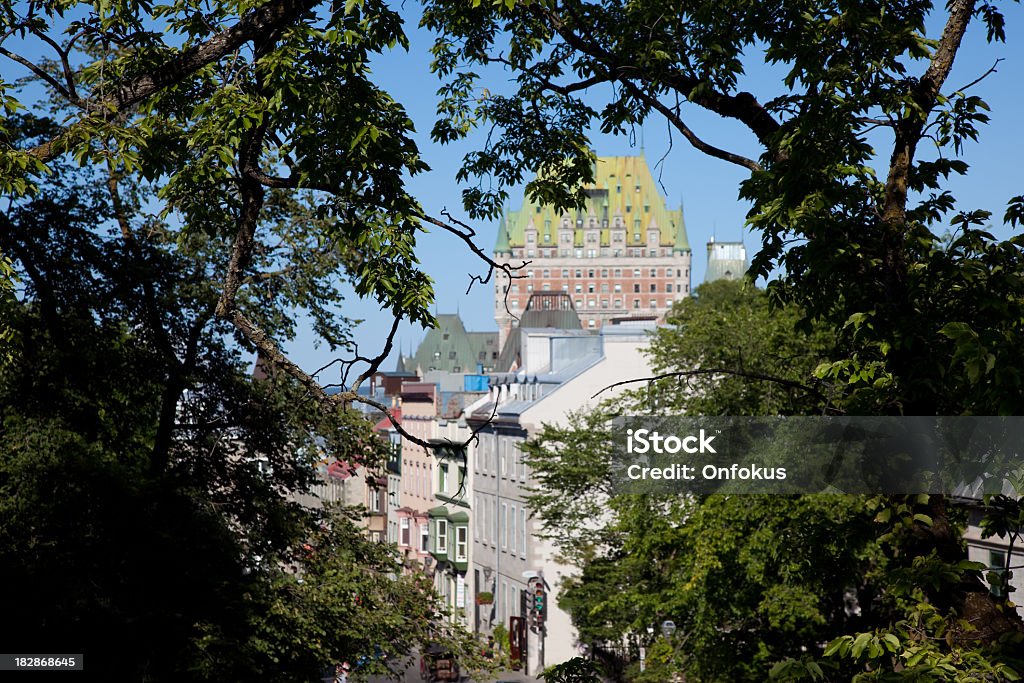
x=728 y=351
x=148 y=513
x=921 y=305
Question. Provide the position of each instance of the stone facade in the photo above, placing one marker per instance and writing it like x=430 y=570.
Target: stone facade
x=625 y=255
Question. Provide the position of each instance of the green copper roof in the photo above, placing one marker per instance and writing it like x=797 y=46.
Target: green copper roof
x=450 y=348
x=624 y=188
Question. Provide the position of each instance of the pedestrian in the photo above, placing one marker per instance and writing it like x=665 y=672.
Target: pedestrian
x=341 y=673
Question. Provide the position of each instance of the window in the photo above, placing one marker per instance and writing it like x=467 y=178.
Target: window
x=565 y=272
x=579 y=273
x=461 y=543
x=442 y=480
x=522 y=531
x=636 y=303
x=618 y=288
x=547 y=273
x=513 y=525
x=654 y=287
x=424 y=538
x=579 y=289
x=591 y=324
x=654 y=272
x=404 y=526
x=997 y=567
x=604 y=272
x=618 y=303
x=636 y=272
x=618 y=272
x=654 y=303
x=668 y=272
x=604 y=287
x=493 y=530
x=604 y=303
x=451 y=355
x=442 y=537
x=590 y=273
x=482 y=526
x=590 y=288
x=503 y=521
x=668 y=288
x=636 y=288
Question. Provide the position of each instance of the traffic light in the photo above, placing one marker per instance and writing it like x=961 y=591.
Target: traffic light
x=539 y=600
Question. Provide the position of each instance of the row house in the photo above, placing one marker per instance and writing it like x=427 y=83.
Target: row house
x=558 y=372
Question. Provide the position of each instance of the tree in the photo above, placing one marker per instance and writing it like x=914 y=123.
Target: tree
x=147 y=482
x=728 y=351
x=249 y=119
x=758 y=586
x=924 y=323
x=733 y=572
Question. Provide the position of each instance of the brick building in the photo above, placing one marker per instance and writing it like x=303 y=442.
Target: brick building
x=626 y=254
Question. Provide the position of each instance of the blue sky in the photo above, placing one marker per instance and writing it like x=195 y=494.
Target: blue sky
x=707 y=187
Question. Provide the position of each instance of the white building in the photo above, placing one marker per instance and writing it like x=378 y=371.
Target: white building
x=559 y=372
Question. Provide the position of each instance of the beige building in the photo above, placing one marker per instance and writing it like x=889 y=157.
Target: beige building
x=626 y=254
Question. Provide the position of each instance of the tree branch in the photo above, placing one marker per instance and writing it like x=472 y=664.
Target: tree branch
x=792 y=384
x=39 y=72
x=925 y=95
x=258 y=24
x=743 y=106
x=691 y=137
